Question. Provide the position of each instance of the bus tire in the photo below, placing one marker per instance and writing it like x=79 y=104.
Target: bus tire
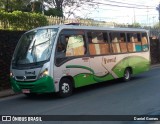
x=65 y=88
x=127 y=74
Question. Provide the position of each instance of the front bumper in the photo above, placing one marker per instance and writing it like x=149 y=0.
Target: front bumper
x=42 y=85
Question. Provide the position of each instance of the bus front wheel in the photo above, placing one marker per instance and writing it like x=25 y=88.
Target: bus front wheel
x=127 y=74
x=65 y=88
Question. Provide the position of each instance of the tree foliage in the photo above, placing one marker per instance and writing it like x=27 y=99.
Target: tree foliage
x=72 y=7
x=18 y=20
x=61 y=8
x=53 y=12
x=157 y=25
x=135 y=25
x=11 y=5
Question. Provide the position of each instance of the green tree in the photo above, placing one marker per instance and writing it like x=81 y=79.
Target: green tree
x=52 y=12
x=48 y=7
x=135 y=25
x=36 y=6
x=157 y=25
x=1 y=4
x=18 y=20
x=12 y=5
x=69 y=7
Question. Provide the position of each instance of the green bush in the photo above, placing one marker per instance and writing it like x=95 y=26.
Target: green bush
x=18 y=20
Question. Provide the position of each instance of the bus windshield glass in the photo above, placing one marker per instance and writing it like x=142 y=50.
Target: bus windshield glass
x=35 y=46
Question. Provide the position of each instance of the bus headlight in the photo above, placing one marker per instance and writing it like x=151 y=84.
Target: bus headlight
x=44 y=73
x=11 y=75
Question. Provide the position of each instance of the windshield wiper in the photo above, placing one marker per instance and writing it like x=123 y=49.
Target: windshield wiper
x=33 y=53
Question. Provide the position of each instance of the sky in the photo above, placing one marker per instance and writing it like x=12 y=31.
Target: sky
x=144 y=11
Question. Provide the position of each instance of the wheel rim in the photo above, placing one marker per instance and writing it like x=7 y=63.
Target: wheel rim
x=65 y=88
x=127 y=74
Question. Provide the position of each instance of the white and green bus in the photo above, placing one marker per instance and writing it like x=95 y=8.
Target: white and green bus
x=60 y=58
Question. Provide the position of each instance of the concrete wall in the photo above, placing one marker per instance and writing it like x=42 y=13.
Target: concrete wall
x=8 y=41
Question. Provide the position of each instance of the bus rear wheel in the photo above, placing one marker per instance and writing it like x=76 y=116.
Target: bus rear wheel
x=65 y=88
x=127 y=74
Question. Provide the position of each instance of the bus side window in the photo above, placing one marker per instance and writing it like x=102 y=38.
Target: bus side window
x=122 y=42
x=137 y=42
x=75 y=45
x=98 y=44
x=130 y=42
x=144 y=42
x=114 y=36
x=134 y=42
x=61 y=47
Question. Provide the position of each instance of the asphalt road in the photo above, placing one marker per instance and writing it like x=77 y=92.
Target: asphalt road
x=140 y=96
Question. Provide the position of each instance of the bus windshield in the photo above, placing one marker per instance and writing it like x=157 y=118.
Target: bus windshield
x=35 y=46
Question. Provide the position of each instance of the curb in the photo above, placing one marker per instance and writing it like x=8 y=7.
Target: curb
x=5 y=93
x=155 y=66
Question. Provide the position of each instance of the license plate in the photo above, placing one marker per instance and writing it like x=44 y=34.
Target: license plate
x=25 y=91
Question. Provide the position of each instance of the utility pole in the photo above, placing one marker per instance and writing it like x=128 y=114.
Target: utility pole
x=147 y=16
x=153 y=21
x=158 y=8
x=134 y=16
x=42 y=7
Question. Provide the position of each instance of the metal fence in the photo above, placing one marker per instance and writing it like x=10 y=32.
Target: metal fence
x=7 y=25
x=88 y=22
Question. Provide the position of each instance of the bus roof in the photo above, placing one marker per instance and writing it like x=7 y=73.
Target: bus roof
x=93 y=28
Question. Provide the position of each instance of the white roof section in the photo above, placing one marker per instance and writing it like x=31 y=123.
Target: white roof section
x=93 y=28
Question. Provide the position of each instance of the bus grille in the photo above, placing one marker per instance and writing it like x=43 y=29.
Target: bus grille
x=22 y=78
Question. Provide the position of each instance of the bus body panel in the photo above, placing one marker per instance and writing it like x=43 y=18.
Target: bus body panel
x=70 y=68
x=102 y=68
x=29 y=79
x=43 y=85
x=84 y=74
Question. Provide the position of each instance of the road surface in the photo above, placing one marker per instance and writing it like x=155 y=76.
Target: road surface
x=140 y=96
